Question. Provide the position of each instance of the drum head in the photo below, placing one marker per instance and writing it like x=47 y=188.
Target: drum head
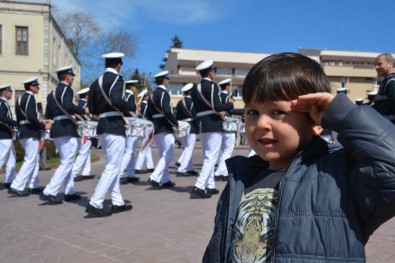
x=142 y=121
x=183 y=124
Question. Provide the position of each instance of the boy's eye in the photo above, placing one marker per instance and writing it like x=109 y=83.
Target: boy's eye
x=251 y=112
x=278 y=112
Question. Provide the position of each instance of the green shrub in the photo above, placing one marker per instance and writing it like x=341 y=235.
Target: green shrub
x=20 y=152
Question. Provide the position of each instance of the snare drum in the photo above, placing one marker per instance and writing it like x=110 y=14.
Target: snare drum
x=137 y=127
x=183 y=129
x=87 y=128
x=230 y=124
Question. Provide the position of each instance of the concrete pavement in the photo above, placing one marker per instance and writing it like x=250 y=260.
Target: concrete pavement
x=164 y=226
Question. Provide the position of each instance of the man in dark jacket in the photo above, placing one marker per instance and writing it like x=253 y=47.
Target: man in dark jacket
x=30 y=127
x=106 y=99
x=60 y=108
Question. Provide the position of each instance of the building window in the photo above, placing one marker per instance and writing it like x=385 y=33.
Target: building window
x=241 y=73
x=1 y=40
x=22 y=43
x=224 y=72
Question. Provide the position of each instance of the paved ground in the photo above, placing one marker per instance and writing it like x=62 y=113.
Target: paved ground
x=164 y=226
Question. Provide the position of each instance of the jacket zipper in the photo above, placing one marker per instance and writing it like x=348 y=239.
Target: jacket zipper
x=280 y=189
x=224 y=230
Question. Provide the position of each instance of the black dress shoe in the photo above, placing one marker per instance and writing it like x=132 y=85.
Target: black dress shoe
x=192 y=173
x=132 y=179
x=181 y=174
x=168 y=184
x=212 y=191
x=155 y=185
x=78 y=178
x=140 y=171
x=123 y=180
x=150 y=170
x=70 y=198
x=218 y=178
x=200 y=193
x=7 y=185
x=87 y=177
x=51 y=199
x=178 y=164
x=36 y=191
x=121 y=208
x=17 y=192
x=96 y=212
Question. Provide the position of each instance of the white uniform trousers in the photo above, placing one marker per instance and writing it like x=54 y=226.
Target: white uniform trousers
x=185 y=159
x=145 y=154
x=128 y=156
x=67 y=147
x=30 y=165
x=165 y=143
x=227 y=146
x=113 y=147
x=211 y=144
x=8 y=157
x=83 y=160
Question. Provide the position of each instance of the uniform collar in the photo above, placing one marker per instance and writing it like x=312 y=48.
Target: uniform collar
x=207 y=79
x=111 y=70
x=144 y=102
x=188 y=96
x=30 y=92
x=84 y=100
x=162 y=87
x=224 y=91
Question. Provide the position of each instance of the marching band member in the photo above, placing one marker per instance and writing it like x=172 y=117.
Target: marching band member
x=60 y=108
x=106 y=99
x=186 y=112
x=209 y=112
x=83 y=160
x=228 y=138
x=131 y=142
x=30 y=127
x=145 y=153
x=7 y=124
x=160 y=112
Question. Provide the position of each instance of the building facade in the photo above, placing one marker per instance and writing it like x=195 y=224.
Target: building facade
x=32 y=45
x=350 y=69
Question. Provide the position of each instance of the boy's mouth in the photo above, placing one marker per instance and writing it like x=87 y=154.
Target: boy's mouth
x=267 y=141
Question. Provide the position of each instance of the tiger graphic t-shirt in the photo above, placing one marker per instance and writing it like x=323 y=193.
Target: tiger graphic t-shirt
x=254 y=227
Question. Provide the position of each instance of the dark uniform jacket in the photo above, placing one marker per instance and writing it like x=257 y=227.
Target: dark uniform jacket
x=209 y=122
x=382 y=102
x=98 y=104
x=129 y=97
x=161 y=99
x=83 y=103
x=331 y=199
x=185 y=110
x=6 y=121
x=64 y=95
x=143 y=109
x=27 y=104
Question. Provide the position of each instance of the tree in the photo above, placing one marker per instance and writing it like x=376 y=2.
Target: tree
x=79 y=28
x=89 y=41
x=176 y=43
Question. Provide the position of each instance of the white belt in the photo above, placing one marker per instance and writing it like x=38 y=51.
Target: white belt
x=111 y=114
x=24 y=122
x=207 y=112
x=189 y=119
x=158 y=115
x=61 y=117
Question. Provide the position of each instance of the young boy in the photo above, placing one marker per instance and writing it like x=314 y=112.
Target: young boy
x=301 y=199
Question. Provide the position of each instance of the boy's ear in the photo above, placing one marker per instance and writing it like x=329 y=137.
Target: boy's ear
x=316 y=129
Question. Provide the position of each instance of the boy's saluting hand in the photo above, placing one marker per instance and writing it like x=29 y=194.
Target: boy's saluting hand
x=314 y=104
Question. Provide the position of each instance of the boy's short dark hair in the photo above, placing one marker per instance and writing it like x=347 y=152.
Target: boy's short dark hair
x=284 y=76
